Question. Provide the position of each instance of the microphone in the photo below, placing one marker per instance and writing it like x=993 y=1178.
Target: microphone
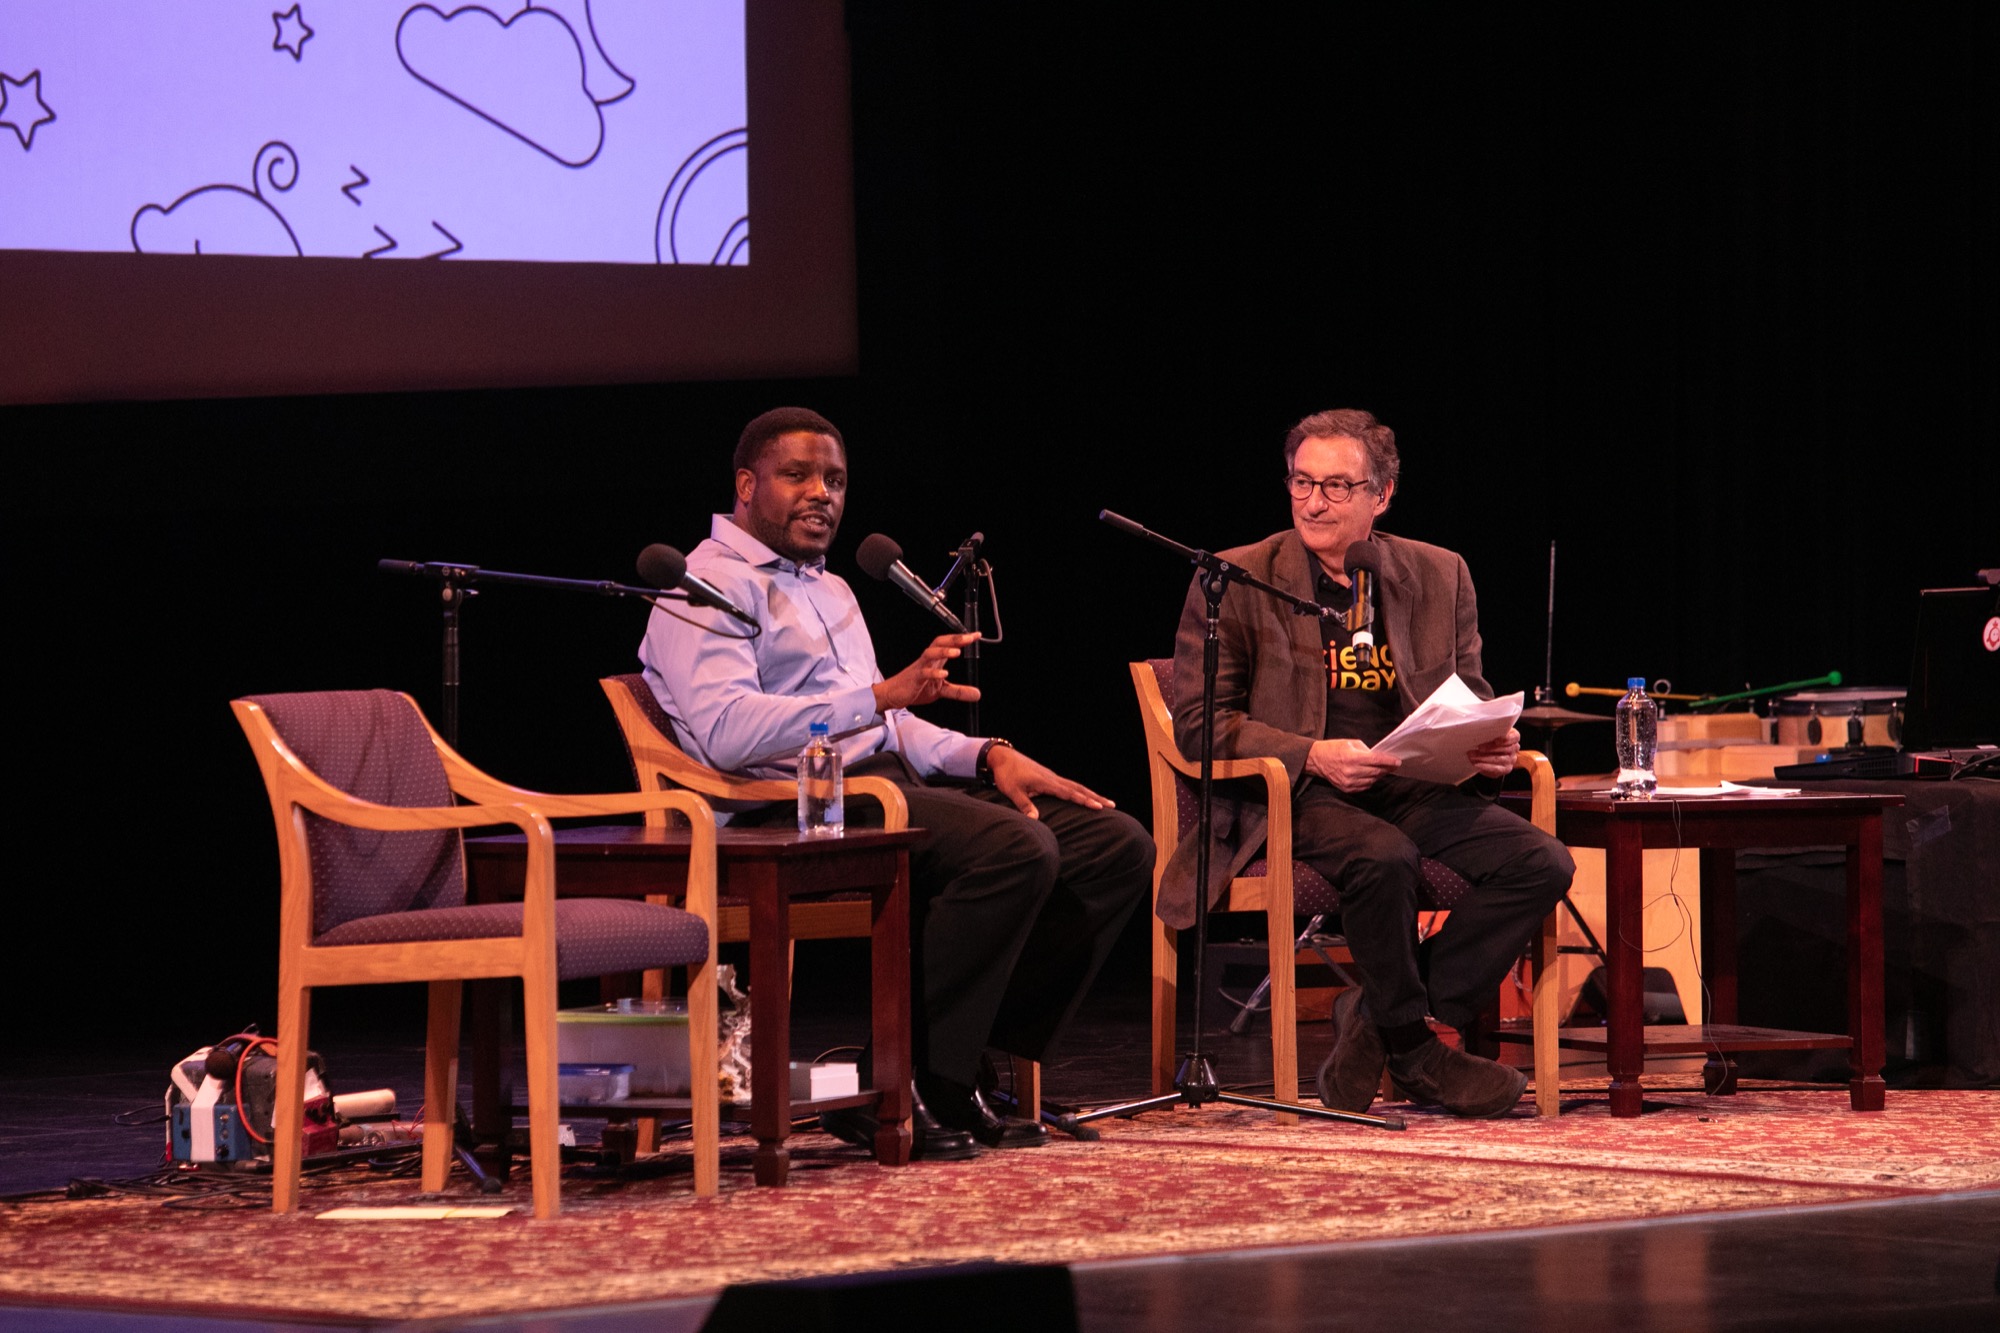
x=664 y=567
x=1364 y=564
x=883 y=559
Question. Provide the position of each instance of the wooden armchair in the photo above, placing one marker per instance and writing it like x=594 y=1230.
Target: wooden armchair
x=1283 y=890
x=659 y=764
x=372 y=873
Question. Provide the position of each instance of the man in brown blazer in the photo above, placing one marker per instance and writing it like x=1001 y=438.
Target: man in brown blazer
x=1302 y=690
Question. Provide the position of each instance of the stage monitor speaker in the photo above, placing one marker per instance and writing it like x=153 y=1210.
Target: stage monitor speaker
x=1028 y=1296
x=1661 y=1002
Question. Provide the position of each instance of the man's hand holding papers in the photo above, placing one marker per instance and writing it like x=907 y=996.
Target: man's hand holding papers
x=1437 y=741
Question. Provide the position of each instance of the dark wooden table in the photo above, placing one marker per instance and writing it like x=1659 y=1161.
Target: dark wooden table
x=766 y=868
x=1718 y=826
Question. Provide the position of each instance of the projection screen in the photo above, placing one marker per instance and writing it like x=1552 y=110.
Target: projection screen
x=248 y=197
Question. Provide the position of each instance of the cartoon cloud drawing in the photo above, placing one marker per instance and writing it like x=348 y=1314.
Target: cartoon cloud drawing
x=704 y=215
x=524 y=74
x=605 y=81
x=225 y=219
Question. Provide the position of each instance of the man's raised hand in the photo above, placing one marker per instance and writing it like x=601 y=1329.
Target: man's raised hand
x=927 y=678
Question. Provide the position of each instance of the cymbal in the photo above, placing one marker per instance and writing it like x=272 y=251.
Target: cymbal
x=1549 y=715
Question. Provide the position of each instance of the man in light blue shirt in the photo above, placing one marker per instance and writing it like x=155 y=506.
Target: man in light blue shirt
x=1024 y=878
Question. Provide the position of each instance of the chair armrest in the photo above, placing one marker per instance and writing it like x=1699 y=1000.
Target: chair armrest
x=1267 y=767
x=470 y=782
x=295 y=784
x=1541 y=788
x=568 y=805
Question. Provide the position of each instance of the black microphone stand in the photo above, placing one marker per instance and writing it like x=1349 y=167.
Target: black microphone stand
x=974 y=569
x=487 y=1165
x=1194 y=1082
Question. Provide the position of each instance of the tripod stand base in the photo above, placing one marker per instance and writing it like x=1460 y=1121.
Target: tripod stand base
x=1195 y=1085
x=1006 y=1103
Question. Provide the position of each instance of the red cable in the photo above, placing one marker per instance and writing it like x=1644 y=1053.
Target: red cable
x=242 y=1116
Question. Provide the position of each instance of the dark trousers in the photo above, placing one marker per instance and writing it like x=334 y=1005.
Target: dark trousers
x=1368 y=845
x=1012 y=916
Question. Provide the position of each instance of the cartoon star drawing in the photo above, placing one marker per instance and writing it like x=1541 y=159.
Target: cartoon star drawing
x=293 y=34
x=22 y=107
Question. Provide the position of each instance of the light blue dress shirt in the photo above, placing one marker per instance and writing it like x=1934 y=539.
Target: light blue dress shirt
x=744 y=705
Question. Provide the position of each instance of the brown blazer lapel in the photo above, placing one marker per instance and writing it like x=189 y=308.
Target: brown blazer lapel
x=1395 y=596
x=1293 y=570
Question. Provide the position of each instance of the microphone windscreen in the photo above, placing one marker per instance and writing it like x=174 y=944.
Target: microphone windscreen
x=877 y=554
x=662 y=566
x=1363 y=555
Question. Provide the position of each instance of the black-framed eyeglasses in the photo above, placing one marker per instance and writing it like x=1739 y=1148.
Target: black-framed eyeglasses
x=1337 y=490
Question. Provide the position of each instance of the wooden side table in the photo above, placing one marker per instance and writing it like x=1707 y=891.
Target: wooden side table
x=766 y=868
x=1716 y=826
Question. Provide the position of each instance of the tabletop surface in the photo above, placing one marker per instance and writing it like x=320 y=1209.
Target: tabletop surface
x=1667 y=806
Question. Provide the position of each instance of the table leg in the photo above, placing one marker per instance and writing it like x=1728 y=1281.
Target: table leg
x=1717 y=960
x=1624 y=961
x=1865 y=1089
x=770 y=1018
x=492 y=1117
x=889 y=958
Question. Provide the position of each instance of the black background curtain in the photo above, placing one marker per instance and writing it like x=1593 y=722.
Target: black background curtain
x=1704 y=294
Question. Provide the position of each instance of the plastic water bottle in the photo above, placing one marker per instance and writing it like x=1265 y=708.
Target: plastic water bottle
x=822 y=813
x=1638 y=737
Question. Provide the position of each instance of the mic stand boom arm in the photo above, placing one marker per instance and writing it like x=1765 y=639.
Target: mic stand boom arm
x=462 y=575
x=1214 y=564
x=1195 y=1082
x=455 y=585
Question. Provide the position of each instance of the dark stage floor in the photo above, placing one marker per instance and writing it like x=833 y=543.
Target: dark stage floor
x=94 y=1111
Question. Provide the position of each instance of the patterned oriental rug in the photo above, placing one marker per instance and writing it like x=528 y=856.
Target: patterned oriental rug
x=1175 y=1182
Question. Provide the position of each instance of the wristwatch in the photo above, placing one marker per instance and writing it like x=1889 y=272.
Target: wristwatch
x=983 y=770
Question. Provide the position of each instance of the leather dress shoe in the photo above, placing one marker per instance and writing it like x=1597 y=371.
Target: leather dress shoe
x=959 y=1107
x=1464 y=1084
x=1352 y=1074
x=929 y=1140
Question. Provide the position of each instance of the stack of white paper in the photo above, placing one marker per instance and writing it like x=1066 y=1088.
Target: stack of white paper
x=1725 y=789
x=1433 y=741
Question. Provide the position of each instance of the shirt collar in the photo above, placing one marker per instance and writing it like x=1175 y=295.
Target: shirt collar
x=723 y=529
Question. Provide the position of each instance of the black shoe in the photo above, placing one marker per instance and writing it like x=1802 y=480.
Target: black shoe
x=1463 y=1084
x=958 y=1107
x=1352 y=1074
x=929 y=1140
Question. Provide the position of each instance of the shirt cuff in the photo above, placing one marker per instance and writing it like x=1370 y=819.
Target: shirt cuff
x=960 y=757
x=853 y=709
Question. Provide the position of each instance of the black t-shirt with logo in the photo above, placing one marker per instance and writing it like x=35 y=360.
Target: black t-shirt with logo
x=1361 y=698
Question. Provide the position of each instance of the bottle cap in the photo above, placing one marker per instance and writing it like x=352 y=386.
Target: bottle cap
x=818 y=728
x=1635 y=682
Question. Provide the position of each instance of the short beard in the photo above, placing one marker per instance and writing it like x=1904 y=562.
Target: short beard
x=775 y=538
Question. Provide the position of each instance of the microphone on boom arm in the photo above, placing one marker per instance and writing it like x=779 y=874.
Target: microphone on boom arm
x=666 y=569
x=1364 y=564
x=882 y=558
